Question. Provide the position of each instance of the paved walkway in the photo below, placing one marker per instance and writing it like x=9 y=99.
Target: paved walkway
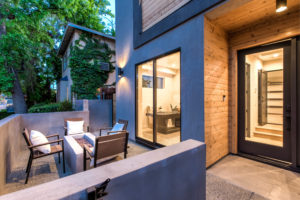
x=262 y=179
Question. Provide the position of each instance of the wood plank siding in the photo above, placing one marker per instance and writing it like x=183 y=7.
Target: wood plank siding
x=215 y=92
x=154 y=11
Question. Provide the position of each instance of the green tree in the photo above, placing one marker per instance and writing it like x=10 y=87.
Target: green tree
x=86 y=57
x=30 y=31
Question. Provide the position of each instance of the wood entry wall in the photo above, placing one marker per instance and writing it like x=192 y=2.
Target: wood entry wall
x=215 y=92
x=222 y=41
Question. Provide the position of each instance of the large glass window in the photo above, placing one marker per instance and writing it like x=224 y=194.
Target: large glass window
x=145 y=101
x=158 y=105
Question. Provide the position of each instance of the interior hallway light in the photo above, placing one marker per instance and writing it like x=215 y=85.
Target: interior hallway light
x=281 y=5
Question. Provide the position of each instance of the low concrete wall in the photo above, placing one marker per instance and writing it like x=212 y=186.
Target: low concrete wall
x=11 y=143
x=174 y=172
x=49 y=123
x=100 y=113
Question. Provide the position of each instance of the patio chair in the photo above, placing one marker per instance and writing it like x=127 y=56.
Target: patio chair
x=106 y=146
x=74 y=120
x=116 y=127
x=35 y=154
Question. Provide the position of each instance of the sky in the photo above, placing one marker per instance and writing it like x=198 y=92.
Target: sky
x=112 y=6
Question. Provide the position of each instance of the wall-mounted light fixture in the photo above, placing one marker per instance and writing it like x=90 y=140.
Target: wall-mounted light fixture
x=120 y=72
x=281 y=5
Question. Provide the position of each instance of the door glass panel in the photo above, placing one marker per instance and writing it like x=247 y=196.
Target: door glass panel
x=168 y=99
x=145 y=101
x=264 y=97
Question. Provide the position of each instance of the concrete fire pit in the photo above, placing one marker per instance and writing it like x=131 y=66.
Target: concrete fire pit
x=74 y=152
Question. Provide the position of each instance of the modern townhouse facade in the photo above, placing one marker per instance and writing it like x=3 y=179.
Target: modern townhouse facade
x=225 y=72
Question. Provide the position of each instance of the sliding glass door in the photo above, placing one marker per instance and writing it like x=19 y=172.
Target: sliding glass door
x=158 y=100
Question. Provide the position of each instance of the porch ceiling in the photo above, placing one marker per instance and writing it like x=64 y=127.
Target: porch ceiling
x=234 y=15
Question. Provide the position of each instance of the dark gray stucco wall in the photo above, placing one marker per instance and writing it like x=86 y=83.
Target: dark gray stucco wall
x=188 y=37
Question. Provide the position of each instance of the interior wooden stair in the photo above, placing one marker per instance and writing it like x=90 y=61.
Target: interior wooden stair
x=268 y=133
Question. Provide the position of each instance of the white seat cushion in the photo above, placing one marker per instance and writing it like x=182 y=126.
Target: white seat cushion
x=118 y=127
x=36 y=138
x=74 y=127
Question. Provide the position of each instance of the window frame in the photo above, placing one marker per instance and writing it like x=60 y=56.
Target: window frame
x=154 y=143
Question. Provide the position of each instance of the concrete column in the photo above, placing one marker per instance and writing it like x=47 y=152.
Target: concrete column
x=85 y=105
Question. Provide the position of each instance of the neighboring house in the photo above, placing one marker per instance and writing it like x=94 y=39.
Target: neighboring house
x=72 y=33
x=220 y=71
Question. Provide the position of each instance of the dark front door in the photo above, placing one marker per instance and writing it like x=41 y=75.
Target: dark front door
x=264 y=96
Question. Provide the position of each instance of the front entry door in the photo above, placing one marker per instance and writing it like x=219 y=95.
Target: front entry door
x=264 y=122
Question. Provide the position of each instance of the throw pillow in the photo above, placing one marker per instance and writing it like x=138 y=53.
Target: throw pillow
x=36 y=138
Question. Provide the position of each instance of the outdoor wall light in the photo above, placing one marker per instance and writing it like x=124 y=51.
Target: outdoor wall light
x=281 y=5
x=120 y=72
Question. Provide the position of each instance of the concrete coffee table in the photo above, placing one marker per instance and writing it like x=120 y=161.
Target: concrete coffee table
x=74 y=152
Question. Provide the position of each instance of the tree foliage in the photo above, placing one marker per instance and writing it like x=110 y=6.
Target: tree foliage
x=86 y=57
x=30 y=33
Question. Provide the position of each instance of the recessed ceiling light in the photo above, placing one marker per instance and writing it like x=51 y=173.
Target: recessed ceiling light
x=275 y=55
x=281 y=5
x=173 y=65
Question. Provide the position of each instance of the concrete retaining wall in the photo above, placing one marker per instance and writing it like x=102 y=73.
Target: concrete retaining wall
x=11 y=143
x=100 y=113
x=50 y=123
x=175 y=172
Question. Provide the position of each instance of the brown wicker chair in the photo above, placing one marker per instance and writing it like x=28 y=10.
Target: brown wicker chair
x=121 y=121
x=35 y=154
x=74 y=120
x=106 y=146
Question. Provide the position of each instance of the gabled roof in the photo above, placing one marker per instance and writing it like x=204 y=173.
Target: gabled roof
x=69 y=32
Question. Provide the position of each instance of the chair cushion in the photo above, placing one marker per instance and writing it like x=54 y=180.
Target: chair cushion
x=74 y=127
x=36 y=138
x=117 y=127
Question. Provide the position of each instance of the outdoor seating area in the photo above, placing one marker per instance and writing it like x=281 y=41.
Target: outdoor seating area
x=78 y=145
x=50 y=146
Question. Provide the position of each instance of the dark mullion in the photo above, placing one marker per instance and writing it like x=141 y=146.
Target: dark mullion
x=154 y=101
x=293 y=93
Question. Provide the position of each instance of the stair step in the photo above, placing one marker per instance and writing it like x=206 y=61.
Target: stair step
x=269 y=130
x=265 y=135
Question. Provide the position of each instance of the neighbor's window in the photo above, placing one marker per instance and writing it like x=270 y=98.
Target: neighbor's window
x=65 y=62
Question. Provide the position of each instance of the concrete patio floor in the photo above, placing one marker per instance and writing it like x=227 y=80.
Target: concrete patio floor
x=262 y=179
x=47 y=169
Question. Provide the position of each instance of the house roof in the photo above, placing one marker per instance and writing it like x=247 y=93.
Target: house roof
x=69 y=32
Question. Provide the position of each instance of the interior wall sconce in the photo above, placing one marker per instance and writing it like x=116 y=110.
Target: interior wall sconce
x=120 y=72
x=281 y=5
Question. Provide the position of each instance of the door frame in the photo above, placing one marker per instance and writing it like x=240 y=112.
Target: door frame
x=154 y=143
x=254 y=149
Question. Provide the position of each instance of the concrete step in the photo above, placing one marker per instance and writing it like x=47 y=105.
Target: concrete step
x=265 y=135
